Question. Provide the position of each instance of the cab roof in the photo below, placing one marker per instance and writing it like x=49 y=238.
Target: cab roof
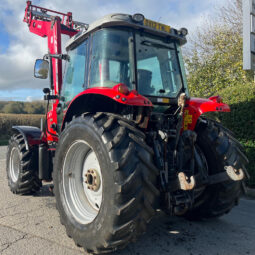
x=125 y=20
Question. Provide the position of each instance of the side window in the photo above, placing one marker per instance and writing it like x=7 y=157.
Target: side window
x=173 y=70
x=74 y=77
x=179 y=50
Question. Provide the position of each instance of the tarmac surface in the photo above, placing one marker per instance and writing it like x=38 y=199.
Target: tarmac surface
x=30 y=225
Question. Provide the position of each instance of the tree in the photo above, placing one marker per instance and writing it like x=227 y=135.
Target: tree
x=14 y=107
x=214 y=57
x=35 y=107
x=2 y=104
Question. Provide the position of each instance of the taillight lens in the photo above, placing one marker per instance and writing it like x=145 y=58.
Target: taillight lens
x=123 y=89
x=219 y=100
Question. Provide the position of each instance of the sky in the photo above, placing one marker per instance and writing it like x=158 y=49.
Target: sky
x=19 y=48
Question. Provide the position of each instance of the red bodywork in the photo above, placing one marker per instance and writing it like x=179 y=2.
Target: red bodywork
x=130 y=98
x=196 y=106
x=127 y=98
x=52 y=26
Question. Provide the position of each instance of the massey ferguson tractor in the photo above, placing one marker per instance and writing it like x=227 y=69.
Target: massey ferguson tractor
x=122 y=137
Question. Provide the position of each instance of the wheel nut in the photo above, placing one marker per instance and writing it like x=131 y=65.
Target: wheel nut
x=92 y=179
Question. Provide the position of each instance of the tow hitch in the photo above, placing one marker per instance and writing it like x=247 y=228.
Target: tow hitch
x=230 y=174
x=185 y=182
x=234 y=174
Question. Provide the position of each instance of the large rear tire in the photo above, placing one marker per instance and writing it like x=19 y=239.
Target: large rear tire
x=22 y=167
x=220 y=149
x=104 y=182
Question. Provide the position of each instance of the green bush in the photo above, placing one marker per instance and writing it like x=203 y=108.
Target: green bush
x=241 y=119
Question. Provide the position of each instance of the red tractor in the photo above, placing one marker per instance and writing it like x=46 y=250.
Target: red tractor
x=123 y=137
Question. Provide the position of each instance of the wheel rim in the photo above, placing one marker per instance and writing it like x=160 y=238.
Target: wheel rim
x=14 y=164
x=82 y=182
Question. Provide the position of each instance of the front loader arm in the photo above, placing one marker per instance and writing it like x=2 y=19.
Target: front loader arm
x=48 y=23
x=52 y=24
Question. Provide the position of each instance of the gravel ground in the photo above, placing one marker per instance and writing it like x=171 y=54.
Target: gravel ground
x=3 y=152
x=30 y=225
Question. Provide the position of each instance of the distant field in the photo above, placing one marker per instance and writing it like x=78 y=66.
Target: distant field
x=9 y=120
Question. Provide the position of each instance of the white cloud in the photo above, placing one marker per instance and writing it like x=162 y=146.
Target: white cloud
x=16 y=64
x=29 y=99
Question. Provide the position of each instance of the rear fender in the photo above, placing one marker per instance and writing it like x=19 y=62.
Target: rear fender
x=194 y=107
x=130 y=98
x=31 y=135
x=102 y=99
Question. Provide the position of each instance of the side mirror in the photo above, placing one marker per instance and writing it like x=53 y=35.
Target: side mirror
x=41 y=69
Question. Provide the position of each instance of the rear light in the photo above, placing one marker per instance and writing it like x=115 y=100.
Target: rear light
x=217 y=99
x=123 y=89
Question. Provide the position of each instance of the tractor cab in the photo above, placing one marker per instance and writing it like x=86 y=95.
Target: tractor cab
x=141 y=55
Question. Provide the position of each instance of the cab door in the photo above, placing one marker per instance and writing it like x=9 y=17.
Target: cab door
x=75 y=78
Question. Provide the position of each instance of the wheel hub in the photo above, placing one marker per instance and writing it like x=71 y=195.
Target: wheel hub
x=92 y=179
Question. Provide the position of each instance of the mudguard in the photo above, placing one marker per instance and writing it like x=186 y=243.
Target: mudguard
x=194 y=107
x=105 y=97
x=130 y=98
x=32 y=135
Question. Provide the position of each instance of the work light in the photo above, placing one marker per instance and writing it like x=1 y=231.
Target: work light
x=183 y=31
x=138 y=17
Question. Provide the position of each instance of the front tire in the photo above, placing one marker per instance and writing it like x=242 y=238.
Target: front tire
x=125 y=196
x=220 y=149
x=22 y=167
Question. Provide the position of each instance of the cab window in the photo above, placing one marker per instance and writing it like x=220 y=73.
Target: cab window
x=158 y=71
x=111 y=59
x=74 y=77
